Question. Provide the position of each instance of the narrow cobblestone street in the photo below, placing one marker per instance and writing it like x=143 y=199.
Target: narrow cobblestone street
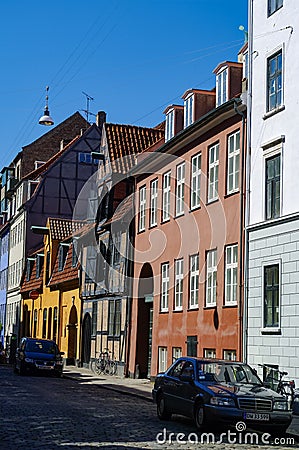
x=43 y=412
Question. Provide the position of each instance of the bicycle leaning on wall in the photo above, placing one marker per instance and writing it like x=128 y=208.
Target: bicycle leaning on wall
x=274 y=379
x=105 y=364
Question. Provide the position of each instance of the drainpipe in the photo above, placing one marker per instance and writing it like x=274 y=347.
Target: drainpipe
x=241 y=231
x=248 y=170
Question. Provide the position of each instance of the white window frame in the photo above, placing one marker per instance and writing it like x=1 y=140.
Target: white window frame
x=188 y=110
x=164 y=287
x=154 y=203
x=230 y=355
x=180 y=189
x=210 y=353
x=213 y=172
x=162 y=359
x=169 y=125
x=195 y=181
x=166 y=196
x=231 y=275
x=194 y=281
x=177 y=352
x=233 y=162
x=142 y=208
x=269 y=329
x=277 y=105
x=222 y=86
x=178 y=284
x=211 y=281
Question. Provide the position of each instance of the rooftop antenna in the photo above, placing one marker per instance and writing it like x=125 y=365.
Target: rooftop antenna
x=87 y=112
x=242 y=28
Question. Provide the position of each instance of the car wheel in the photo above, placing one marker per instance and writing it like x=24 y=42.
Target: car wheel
x=199 y=416
x=278 y=431
x=162 y=412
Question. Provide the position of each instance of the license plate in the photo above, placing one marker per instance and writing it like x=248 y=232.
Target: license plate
x=45 y=367
x=256 y=416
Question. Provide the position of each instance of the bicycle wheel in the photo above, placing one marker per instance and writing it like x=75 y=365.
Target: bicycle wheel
x=112 y=368
x=93 y=365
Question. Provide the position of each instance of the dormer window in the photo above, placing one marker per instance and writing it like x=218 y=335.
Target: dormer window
x=62 y=253
x=188 y=110
x=39 y=264
x=221 y=87
x=169 y=126
x=30 y=262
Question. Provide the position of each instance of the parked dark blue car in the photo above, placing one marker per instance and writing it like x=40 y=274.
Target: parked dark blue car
x=213 y=390
x=38 y=355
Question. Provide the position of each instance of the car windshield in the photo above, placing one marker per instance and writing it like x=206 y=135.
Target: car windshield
x=41 y=347
x=227 y=373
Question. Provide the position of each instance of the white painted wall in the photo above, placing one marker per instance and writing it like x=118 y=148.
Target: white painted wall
x=270 y=34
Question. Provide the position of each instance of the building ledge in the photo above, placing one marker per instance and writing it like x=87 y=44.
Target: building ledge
x=270 y=331
x=273 y=112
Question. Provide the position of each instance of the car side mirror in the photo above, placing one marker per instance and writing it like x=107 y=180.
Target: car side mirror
x=61 y=353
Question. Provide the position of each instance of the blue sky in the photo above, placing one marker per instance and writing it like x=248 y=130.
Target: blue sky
x=133 y=57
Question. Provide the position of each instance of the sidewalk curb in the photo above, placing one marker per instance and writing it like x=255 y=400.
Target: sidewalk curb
x=113 y=388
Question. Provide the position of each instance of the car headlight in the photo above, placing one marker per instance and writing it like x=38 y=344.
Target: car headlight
x=222 y=401
x=29 y=360
x=280 y=405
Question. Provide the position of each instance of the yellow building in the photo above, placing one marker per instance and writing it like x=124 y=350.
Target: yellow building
x=50 y=290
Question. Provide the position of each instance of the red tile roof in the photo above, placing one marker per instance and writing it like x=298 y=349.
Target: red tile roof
x=60 y=229
x=125 y=141
x=124 y=211
x=33 y=283
x=68 y=273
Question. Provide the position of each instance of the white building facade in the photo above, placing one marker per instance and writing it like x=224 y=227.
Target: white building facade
x=273 y=219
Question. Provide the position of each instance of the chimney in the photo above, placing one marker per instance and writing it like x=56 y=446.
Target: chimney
x=101 y=119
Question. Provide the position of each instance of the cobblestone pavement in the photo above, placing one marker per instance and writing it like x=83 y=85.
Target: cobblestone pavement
x=39 y=412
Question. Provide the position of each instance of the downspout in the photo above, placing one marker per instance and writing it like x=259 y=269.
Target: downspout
x=241 y=232
x=248 y=170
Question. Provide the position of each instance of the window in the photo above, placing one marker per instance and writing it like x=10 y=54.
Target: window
x=162 y=362
x=116 y=247
x=176 y=353
x=180 y=188
x=154 y=203
x=273 y=187
x=39 y=265
x=213 y=172
x=230 y=355
x=194 y=281
x=94 y=318
x=55 y=322
x=209 y=353
x=114 y=320
x=231 y=274
x=142 y=205
x=169 y=125
x=233 y=162
x=30 y=262
x=211 y=282
x=164 y=286
x=34 y=323
x=271 y=296
x=178 y=290
x=62 y=254
x=166 y=197
x=195 y=181
x=274 y=5
x=74 y=255
x=274 y=81
x=221 y=87
x=49 y=323
x=44 y=335
x=192 y=345
x=188 y=110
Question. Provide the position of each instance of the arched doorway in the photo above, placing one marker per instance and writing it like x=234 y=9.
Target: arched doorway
x=86 y=339
x=144 y=322
x=72 y=336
